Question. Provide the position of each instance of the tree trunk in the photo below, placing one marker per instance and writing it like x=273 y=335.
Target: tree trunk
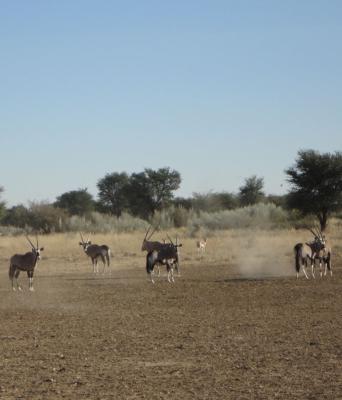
x=323 y=220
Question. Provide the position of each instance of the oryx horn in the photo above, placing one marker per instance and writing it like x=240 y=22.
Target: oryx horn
x=30 y=242
x=170 y=239
x=148 y=229
x=81 y=237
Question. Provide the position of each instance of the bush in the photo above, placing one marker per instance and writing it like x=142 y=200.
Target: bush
x=259 y=215
x=45 y=218
x=40 y=217
x=173 y=217
x=104 y=223
x=12 y=231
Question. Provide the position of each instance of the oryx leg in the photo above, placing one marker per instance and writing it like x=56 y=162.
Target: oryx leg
x=320 y=268
x=108 y=263
x=15 y=276
x=312 y=261
x=177 y=268
x=154 y=272
x=103 y=262
x=304 y=269
x=150 y=272
x=30 y=276
x=95 y=267
x=327 y=266
x=169 y=268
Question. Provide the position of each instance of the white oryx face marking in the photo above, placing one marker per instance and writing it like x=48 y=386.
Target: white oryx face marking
x=37 y=252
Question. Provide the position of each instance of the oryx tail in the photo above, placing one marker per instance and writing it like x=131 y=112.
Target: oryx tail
x=298 y=250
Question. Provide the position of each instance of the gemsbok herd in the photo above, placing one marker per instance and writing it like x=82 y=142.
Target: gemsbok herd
x=167 y=254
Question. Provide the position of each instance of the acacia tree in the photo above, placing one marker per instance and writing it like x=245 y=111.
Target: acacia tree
x=152 y=190
x=251 y=192
x=76 y=202
x=316 y=184
x=113 y=189
x=139 y=198
x=140 y=193
x=162 y=183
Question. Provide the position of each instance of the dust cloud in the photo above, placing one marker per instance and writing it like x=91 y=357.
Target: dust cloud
x=266 y=254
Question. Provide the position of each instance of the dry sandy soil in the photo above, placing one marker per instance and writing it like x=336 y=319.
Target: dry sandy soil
x=216 y=333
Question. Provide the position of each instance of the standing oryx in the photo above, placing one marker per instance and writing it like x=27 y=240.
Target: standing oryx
x=149 y=246
x=324 y=257
x=166 y=255
x=24 y=262
x=95 y=252
x=312 y=251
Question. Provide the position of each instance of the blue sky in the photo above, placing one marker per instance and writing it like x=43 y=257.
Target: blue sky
x=218 y=90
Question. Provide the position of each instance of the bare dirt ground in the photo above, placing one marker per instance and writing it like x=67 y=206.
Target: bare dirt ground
x=214 y=334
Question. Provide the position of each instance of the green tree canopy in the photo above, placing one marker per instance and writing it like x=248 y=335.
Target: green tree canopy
x=162 y=183
x=17 y=216
x=152 y=190
x=139 y=197
x=76 y=202
x=251 y=192
x=141 y=193
x=113 y=193
x=316 y=184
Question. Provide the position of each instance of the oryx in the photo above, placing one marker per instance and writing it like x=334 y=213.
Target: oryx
x=149 y=246
x=167 y=255
x=94 y=251
x=24 y=262
x=310 y=251
x=323 y=256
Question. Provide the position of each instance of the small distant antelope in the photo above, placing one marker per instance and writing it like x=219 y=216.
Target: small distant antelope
x=95 y=252
x=201 y=245
x=167 y=255
x=24 y=262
